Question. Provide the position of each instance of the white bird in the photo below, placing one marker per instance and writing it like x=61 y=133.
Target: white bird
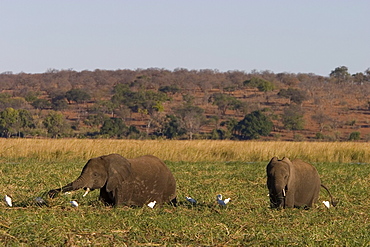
x=191 y=200
x=226 y=201
x=222 y=202
x=74 y=203
x=8 y=200
x=152 y=204
x=326 y=203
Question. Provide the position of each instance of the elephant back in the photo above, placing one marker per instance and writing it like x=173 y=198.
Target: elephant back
x=150 y=172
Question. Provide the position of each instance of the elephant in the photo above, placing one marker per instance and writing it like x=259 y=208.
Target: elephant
x=128 y=182
x=293 y=183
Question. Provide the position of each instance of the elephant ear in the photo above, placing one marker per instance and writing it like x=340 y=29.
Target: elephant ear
x=285 y=159
x=274 y=159
x=119 y=171
x=291 y=172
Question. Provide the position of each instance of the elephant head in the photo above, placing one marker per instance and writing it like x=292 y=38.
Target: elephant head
x=125 y=181
x=278 y=178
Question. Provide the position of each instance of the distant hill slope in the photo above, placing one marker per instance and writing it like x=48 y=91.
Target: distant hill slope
x=331 y=108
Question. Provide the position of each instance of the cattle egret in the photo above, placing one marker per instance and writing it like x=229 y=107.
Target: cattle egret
x=152 y=204
x=226 y=201
x=74 y=203
x=8 y=200
x=191 y=200
x=222 y=202
x=326 y=203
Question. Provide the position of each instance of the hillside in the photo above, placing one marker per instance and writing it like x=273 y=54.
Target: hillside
x=331 y=107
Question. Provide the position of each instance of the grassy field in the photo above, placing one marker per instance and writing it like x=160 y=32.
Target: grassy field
x=202 y=169
x=204 y=150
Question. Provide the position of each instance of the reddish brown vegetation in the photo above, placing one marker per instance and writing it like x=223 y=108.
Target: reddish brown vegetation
x=335 y=108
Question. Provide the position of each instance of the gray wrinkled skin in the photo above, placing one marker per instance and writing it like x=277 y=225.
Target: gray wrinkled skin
x=130 y=182
x=293 y=183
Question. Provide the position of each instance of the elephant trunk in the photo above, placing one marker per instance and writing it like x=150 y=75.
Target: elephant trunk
x=79 y=183
x=333 y=202
x=277 y=196
x=75 y=185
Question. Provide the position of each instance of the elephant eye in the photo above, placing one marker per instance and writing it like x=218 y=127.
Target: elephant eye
x=95 y=174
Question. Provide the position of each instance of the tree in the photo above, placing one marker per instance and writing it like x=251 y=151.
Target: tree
x=114 y=127
x=95 y=119
x=55 y=124
x=41 y=104
x=77 y=95
x=59 y=103
x=321 y=118
x=169 y=89
x=25 y=118
x=14 y=121
x=359 y=78
x=224 y=102
x=230 y=125
x=146 y=102
x=191 y=118
x=261 y=84
x=294 y=95
x=340 y=74
x=172 y=127
x=31 y=96
x=142 y=100
x=265 y=86
x=103 y=107
x=354 y=136
x=293 y=118
x=254 y=125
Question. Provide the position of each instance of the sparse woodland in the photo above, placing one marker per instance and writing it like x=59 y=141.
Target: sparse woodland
x=186 y=104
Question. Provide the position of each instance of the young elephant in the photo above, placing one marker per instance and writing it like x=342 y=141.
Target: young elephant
x=293 y=183
x=131 y=182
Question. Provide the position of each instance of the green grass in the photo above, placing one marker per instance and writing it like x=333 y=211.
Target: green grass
x=247 y=220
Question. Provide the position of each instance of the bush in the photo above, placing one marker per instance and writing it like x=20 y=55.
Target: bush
x=261 y=84
x=294 y=95
x=254 y=125
x=319 y=136
x=354 y=136
x=293 y=118
x=114 y=127
x=218 y=134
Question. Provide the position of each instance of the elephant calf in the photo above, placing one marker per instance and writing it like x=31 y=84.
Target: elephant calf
x=293 y=183
x=130 y=182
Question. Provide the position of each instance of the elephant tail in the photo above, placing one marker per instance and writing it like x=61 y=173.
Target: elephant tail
x=333 y=202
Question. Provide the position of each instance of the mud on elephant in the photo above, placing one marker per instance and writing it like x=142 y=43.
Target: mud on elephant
x=293 y=183
x=130 y=182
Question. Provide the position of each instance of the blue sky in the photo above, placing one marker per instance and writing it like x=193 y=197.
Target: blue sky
x=293 y=36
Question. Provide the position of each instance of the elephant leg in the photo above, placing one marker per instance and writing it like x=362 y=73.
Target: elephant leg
x=106 y=197
x=289 y=201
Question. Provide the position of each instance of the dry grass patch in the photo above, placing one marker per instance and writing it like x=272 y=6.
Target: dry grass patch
x=199 y=150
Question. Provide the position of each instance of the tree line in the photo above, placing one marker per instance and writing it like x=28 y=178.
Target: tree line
x=179 y=104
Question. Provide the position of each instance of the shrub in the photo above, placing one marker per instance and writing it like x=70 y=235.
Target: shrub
x=254 y=125
x=319 y=136
x=354 y=136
